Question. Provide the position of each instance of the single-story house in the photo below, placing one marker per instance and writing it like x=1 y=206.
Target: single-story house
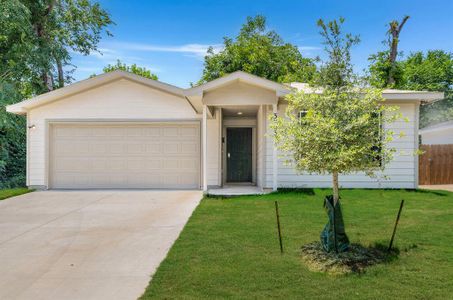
x=120 y=130
x=439 y=134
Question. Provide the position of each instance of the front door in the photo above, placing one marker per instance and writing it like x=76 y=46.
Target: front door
x=239 y=155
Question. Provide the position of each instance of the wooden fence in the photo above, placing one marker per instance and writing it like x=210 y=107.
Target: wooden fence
x=436 y=164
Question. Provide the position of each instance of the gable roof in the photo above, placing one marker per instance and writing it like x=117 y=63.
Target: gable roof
x=194 y=95
x=242 y=77
x=22 y=107
x=191 y=94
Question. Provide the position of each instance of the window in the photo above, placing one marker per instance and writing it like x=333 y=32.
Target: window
x=302 y=114
x=377 y=149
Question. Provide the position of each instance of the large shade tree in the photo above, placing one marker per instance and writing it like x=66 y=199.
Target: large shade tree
x=36 y=42
x=385 y=68
x=38 y=37
x=336 y=127
x=426 y=71
x=423 y=71
x=430 y=71
x=259 y=51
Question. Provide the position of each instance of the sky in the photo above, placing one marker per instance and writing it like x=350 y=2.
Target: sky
x=170 y=38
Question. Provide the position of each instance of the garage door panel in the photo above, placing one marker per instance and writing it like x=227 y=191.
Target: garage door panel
x=154 y=155
x=171 y=147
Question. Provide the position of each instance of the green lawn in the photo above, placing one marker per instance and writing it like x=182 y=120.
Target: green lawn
x=229 y=248
x=7 y=193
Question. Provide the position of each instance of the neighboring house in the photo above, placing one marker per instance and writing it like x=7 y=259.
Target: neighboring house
x=120 y=130
x=439 y=134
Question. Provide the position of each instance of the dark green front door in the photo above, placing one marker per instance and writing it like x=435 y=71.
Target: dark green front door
x=239 y=154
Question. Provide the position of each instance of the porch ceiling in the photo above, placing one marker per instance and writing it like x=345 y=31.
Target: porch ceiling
x=240 y=111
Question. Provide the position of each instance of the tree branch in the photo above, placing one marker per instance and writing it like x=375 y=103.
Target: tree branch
x=402 y=23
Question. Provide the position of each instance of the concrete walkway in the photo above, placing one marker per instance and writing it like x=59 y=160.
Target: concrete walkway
x=445 y=187
x=236 y=190
x=87 y=244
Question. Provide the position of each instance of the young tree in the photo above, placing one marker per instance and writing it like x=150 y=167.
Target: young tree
x=259 y=51
x=336 y=127
x=141 y=71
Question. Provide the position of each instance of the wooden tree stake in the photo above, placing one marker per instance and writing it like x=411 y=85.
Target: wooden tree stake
x=396 y=224
x=278 y=226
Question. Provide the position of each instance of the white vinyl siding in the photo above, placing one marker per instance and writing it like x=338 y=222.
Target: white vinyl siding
x=401 y=171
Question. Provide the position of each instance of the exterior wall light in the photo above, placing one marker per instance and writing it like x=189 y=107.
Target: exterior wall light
x=32 y=127
x=239 y=112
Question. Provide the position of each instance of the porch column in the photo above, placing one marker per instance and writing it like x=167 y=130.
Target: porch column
x=274 y=156
x=205 y=148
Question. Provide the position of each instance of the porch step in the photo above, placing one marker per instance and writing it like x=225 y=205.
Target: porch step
x=236 y=190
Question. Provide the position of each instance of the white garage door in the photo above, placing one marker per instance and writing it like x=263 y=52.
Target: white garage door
x=151 y=155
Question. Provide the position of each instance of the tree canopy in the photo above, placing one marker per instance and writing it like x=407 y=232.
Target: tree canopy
x=258 y=51
x=36 y=42
x=426 y=71
x=37 y=38
x=429 y=71
x=141 y=71
x=336 y=131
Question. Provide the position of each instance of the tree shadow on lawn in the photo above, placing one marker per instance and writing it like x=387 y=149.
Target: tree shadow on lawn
x=305 y=191
x=433 y=192
x=355 y=260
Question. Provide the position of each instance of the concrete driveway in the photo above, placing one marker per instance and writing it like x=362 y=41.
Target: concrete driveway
x=87 y=244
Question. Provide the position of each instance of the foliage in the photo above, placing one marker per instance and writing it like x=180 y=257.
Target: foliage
x=380 y=67
x=36 y=42
x=229 y=248
x=432 y=71
x=37 y=37
x=337 y=72
x=12 y=140
x=141 y=71
x=258 y=51
x=340 y=132
x=385 y=68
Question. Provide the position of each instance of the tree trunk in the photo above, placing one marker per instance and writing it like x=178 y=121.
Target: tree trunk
x=394 y=31
x=39 y=28
x=60 y=73
x=335 y=187
x=47 y=80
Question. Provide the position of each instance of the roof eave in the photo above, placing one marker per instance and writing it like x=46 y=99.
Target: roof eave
x=414 y=96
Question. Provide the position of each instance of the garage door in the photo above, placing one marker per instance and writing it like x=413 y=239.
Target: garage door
x=151 y=155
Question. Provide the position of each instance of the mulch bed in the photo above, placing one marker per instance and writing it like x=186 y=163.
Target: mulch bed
x=355 y=260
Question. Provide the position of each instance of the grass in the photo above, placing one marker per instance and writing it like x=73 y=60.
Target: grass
x=229 y=248
x=8 y=193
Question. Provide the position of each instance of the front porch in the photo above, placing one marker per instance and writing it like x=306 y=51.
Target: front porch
x=237 y=190
x=236 y=146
